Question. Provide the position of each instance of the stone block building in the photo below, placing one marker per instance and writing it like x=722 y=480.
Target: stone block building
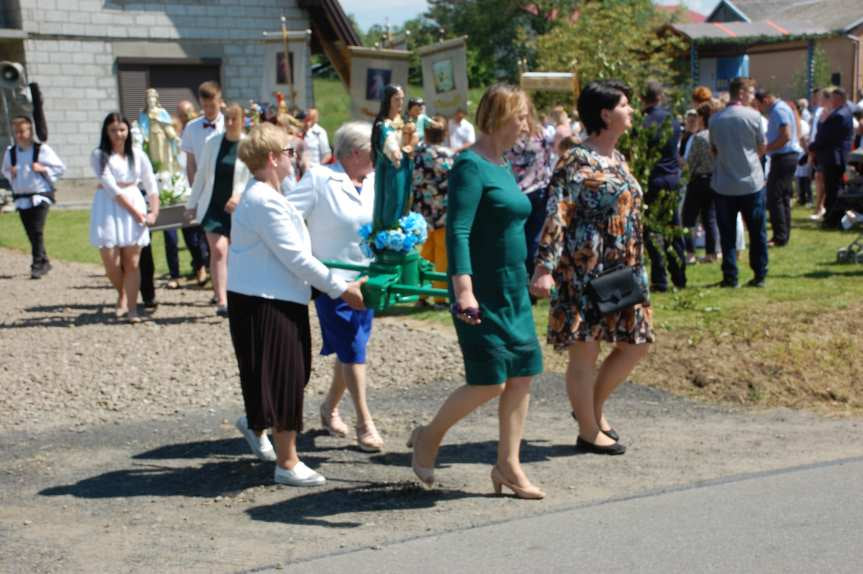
x=91 y=57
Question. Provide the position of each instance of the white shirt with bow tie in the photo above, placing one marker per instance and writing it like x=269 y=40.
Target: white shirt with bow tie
x=197 y=132
x=334 y=212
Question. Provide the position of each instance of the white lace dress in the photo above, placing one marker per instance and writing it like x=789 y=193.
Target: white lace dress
x=111 y=225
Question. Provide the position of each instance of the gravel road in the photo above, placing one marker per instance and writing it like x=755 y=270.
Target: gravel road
x=69 y=363
x=118 y=454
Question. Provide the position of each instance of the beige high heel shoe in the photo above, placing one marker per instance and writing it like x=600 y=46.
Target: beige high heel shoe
x=529 y=493
x=368 y=439
x=426 y=475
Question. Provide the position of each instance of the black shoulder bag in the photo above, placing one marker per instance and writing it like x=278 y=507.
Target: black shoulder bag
x=615 y=289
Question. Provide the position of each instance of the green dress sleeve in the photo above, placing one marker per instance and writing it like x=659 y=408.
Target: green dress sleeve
x=465 y=193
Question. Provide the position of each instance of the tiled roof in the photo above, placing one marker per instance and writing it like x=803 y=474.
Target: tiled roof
x=830 y=15
x=719 y=31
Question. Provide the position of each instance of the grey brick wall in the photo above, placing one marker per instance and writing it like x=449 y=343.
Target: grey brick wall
x=74 y=44
x=78 y=85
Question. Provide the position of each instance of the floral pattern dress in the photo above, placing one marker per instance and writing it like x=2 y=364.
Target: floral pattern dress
x=593 y=223
x=432 y=164
x=530 y=159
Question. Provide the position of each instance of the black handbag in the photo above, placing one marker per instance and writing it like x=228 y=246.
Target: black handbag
x=615 y=289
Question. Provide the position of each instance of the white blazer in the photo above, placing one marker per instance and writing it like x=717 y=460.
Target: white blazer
x=271 y=254
x=334 y=211
x=202 y=189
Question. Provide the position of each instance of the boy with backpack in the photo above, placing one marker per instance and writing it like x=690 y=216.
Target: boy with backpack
x=32 y=169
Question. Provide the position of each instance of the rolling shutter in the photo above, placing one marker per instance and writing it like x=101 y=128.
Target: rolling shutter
x=174 y=82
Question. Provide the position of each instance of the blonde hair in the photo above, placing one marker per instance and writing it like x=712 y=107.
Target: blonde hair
x=499 y=103
x=558 y=114
x=235 y=110
x=264 y=139
x=289 y=123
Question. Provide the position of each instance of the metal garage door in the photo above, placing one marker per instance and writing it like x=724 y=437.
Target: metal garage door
x=174 y=81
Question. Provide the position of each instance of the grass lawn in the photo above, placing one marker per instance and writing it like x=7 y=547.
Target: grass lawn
x=67 y=238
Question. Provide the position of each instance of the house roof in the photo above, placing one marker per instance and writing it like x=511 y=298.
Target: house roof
x=689 y=16
x=767 y=30
x=830 y=15
x=332 y=33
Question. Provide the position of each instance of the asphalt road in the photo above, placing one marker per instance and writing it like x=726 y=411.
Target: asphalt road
x=803 y=519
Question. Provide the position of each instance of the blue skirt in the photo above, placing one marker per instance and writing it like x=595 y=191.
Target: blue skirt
x=344 y=331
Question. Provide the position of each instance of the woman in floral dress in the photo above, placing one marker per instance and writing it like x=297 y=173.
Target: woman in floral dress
x=432 y=163
x=594 y=224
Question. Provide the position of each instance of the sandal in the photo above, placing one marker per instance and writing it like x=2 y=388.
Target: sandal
x=368 y=439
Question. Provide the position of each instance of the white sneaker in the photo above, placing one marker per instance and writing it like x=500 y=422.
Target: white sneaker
x=300 y=475
x=260 y=445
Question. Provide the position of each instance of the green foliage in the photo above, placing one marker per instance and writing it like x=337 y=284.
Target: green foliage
x=620 y=39
x=820 y=78
x=638 y=145
x=501 y=33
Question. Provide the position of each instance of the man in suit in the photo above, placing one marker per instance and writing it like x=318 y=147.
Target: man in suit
x=664 y=251
x=832 y=145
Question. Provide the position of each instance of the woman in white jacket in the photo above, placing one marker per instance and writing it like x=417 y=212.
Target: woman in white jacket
x=220 y=182
x=336 y=200
x=269 y=277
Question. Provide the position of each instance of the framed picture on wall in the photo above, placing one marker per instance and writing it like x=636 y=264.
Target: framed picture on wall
x=376 y=80
x=444 y=80
x=284 y=69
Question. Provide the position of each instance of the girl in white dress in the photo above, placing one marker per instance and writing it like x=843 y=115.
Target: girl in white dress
x=119 y=218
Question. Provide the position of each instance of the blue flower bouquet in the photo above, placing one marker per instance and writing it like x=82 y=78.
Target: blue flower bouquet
x=412 y=231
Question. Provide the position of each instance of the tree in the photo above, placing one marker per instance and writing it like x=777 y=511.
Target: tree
x=820 y=77
x=621 y=39
x=501 y=33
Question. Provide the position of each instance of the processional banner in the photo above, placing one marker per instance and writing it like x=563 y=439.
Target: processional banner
x=444 y=68
x=371 y=71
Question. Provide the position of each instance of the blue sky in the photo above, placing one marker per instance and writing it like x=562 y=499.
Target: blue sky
x=368 y=12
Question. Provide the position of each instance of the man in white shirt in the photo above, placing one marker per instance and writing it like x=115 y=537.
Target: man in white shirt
x=195 y=134
x=461 y=132
x=32 y=169
x=315 y=140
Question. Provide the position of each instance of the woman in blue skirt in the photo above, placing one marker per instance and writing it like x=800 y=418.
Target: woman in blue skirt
x=336 y=200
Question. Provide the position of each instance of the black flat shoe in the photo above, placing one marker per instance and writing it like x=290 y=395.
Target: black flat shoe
x=587 y=446
x=610 y=433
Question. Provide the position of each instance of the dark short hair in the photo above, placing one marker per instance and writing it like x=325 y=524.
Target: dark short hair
x=415 y=102
x=704 y=111
x=837 y=91
x=435 y=131
x=653 y=92
x=761 y=94
x=737 y=85
x=598 y=96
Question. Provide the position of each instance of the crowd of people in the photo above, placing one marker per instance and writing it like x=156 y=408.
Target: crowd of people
x=519 y=208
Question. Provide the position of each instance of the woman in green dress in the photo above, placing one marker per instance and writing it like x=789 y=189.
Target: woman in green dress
x=488 y=284
x=220 y=183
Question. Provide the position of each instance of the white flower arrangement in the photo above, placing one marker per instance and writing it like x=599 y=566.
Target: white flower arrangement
x=173 y=188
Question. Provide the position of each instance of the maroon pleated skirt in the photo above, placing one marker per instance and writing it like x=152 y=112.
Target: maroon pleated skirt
x=273 y=344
